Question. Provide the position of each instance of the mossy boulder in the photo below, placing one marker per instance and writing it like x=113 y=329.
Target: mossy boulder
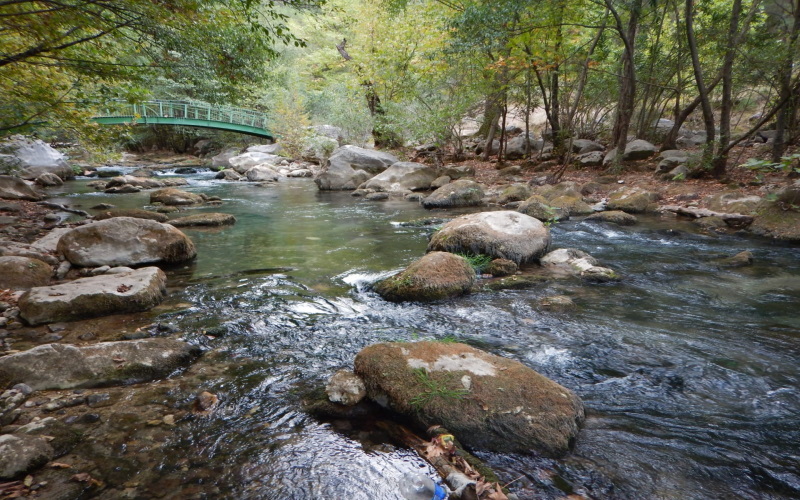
x=550 y=191
x=501 y=267
x=125 y=241
x=515 y=192
x=437 y=275
x=772 y=221
x=538 y=207
x=102 y=295
x=613 y=217
x=131 y=212
x=632 y=200
x=487 y=402
x=503 y=234
x=574 y=205
x=460 y=193
x=22 y=273
x=204 y=220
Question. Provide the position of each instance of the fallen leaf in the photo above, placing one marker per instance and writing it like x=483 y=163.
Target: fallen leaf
x=118 y=360
x=123 y=288
x=60 y=465
x=81 y=477
x=28 y=482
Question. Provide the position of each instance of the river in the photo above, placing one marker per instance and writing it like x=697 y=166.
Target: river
x=689 y=373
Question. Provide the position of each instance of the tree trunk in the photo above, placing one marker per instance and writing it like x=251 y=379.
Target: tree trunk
x=786 y=114
x=705 y=102
x=720 y=162
x=627 y=86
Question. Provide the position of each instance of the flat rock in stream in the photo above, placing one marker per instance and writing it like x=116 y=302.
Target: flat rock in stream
x=19 y=454
x=14 y=188
x=125 y=241
x=204 y=220
x=488 y=402
x=65 y=366
x=103 y=295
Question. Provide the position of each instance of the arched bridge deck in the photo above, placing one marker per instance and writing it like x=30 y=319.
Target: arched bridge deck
x=191 y=114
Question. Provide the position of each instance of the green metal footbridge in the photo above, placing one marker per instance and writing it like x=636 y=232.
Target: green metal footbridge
x=191 y=114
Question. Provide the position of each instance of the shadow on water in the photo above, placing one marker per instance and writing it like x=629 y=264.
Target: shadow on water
x=689 y=372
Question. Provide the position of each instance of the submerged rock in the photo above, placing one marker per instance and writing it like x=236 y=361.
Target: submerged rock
x=125 y=241
x=435 y=276
x=22 y=273
x=460 y=193
x=131 y=212
x=503 y=234
x=741 y=259
x=488 y=402
x=65 y=366
x=133 y=291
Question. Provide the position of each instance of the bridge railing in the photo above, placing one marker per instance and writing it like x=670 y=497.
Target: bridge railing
x=187 y=110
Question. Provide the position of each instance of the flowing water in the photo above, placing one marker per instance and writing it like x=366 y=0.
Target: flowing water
x=689 y=373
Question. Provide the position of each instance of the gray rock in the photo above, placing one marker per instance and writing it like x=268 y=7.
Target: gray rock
x=459 y=172
x=741 y=259
x=23 y=273
x=14 y=188
x=222 y=160
x=632 y=200
x=245 y=161
x=498 y=404
x=228 y=174
x=130 y=212
x=125 y=241
x=576 y=262
x=135 y=291
x=677 y=173
x=674 y=153
x=583 y=146
x=614 y=217
x=440 y=181
x=34 y=158
x=503 y=234
x=590 y=159
x=59 y=435
x=403 y=176
x=65 y=366
x=635 y=150
x=346 y=387
x=514 y=192
x=670 y=163
x=515 y=147
x=270 y=149
x=49 y=242
x=350 y=166
x=300 y=172
x=204 y=220
x=19 y=454
x=261 y=174
x=461 y=193
x=377 y=196
x=48 y=179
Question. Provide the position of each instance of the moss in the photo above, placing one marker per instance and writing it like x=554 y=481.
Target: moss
x=435 y=276
x=521 y=282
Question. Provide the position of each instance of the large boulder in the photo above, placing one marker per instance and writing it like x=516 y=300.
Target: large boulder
x=222 y=160
x=125 y=241
x=583 y=146
x=488 y=402
x=102 y=295
x=64 y=366
x=504 y=234
x=633 y=200
x=271 y=149
x=514 y=192
x=33 y=158
x=14 y=188
x=403 y=176
x=733 y=202
x=574 y=262
x=228 y=174
x=613 y=217
x=637 y=149
x=244 y=162
x=261 y=174
x=350 y=166
x=173 y=196
x=460 y=193
x=133 y=180
x=539 y=208
x=515 y=147
x=22 y=273
x=435 y=276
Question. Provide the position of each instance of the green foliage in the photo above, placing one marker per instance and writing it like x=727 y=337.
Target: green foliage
x=478 y=262
x=434 y=389
x=788 y=164
x=290 y=121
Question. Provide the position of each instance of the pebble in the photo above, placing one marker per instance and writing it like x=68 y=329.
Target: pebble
x=23 y=388
x=87 y=336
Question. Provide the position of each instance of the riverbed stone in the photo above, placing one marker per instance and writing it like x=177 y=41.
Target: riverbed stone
x=590 y=159
x=65 y=366
x=130 y=212
x=741 y=259
x=135 y=181
x=261 y=174
x=403 y=176
x=48 y=179
x=19 y=454
x=514 y=192
x=23 y=273
x=245 y=161
x=350 y=166
x=14 y=188
x=733 y=202
x=538 y=207
x=584 y=146
x=502 y=234
x=632 y=200
x=637 y=149
x=487 y=402
x=435 y=276
x=345 y=387
x=228 y=174
x=61 y=437
x=204 y=220
x=574 y=262
x=125 y=241
x=174 y=196
x=456 y=172
x=102 y=295
x=613 y=217
x=460 y=193
x=222 y=160
x=499 y=268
